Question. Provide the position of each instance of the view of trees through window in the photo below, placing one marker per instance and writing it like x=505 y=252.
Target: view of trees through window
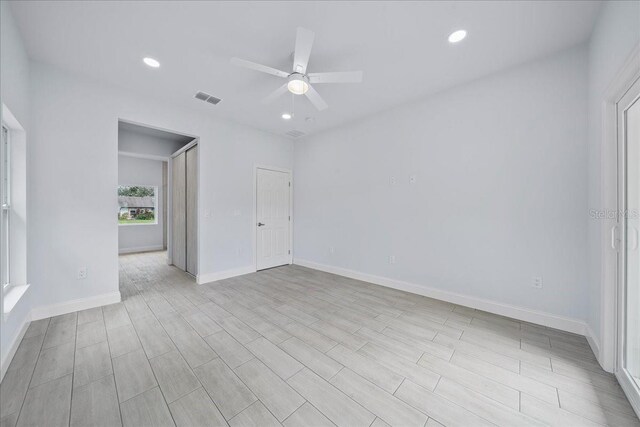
x=137 y=204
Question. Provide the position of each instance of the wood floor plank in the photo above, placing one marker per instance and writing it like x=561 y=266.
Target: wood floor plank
x=91 y=364
x=254 y=416
x=310 y=336
x=280 y=362
x=596 y=413
x=493 y=357
x=96 y=404
x=273 y=392
x=551 y=414
x=123 y=340
x=386 y=406
x=90 y=315
x=196 y=409
x=335 y=405
x=603 y=398
x=60 y=333
x=202 y=324
x=349 y=340
x=192 y=347
x=378 y=374
x=440 y=409
x=146 y=409
x=307 y=415
x=238 y=329
x=115 y=315
x=153 y=337
x=416 y=373
x=482 y=406
x=47 y=404
x=313 y=359
x=174 y=376
x=524 y=384
x=133 y=375
x=231 y=351
x=228 y=392
x=483 y=385
x=90 y=333
x=54 y=362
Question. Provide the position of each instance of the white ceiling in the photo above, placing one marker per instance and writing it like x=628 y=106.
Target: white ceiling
x=401 y=47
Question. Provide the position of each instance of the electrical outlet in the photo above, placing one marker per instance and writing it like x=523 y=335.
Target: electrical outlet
x=412 y=179
x=393 y=180
x=82 y=273
x=332 y=250
x=537 y=282
x=392 y=259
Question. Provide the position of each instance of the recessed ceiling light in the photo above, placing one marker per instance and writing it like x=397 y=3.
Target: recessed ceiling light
x=457 y=36
x=153 y=63
x=286 y=116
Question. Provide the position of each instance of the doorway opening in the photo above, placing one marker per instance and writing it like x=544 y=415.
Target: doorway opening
x=273 y=217
x=150 y=215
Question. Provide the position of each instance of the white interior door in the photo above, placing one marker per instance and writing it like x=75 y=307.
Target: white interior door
x=273 y=210
x=628 y=363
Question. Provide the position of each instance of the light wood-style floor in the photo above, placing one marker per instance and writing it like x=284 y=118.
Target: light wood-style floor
x=298 y=347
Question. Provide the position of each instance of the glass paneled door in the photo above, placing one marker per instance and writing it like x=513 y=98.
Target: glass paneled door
x=628 y=363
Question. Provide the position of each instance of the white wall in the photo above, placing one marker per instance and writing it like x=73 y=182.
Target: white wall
x=14 y=93
x=500 y=197
x=75 y=157
x=141 y=237
x=616 y=33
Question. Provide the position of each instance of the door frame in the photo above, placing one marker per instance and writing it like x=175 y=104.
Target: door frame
x=631 y=388
x=607 y=349
x=254 y=234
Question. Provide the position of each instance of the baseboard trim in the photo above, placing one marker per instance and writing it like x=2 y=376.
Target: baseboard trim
x=43 y=312
x=6 y=361
x=594 y=343
x=140 y=249
x=226 y=274
x=521 y=313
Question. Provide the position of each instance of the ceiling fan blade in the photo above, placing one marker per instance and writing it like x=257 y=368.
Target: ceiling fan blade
x=276 y=93
x=336 y=77
x=304 y=42
x=258 y=67
x=316 y=99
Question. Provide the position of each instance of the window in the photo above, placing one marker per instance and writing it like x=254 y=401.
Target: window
x=137 y=204
x=5 y=166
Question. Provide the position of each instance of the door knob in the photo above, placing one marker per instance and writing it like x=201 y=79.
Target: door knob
x=260 y=224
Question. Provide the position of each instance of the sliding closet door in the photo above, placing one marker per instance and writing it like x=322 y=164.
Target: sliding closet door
x=178 y=211
x=192 y=210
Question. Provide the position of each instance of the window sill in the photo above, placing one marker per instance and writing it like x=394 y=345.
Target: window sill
x=140 y=223
x=12 y=297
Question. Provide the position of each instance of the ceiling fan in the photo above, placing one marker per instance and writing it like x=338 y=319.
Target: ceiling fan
x=299 y=81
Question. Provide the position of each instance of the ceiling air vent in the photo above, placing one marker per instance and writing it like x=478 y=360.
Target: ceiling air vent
x=295 y=133
x=203 y=96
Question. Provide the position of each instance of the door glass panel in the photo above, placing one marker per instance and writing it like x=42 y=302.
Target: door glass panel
x=632 y=255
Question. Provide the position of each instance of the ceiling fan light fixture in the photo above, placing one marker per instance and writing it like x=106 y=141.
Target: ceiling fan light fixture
x=298 y=84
